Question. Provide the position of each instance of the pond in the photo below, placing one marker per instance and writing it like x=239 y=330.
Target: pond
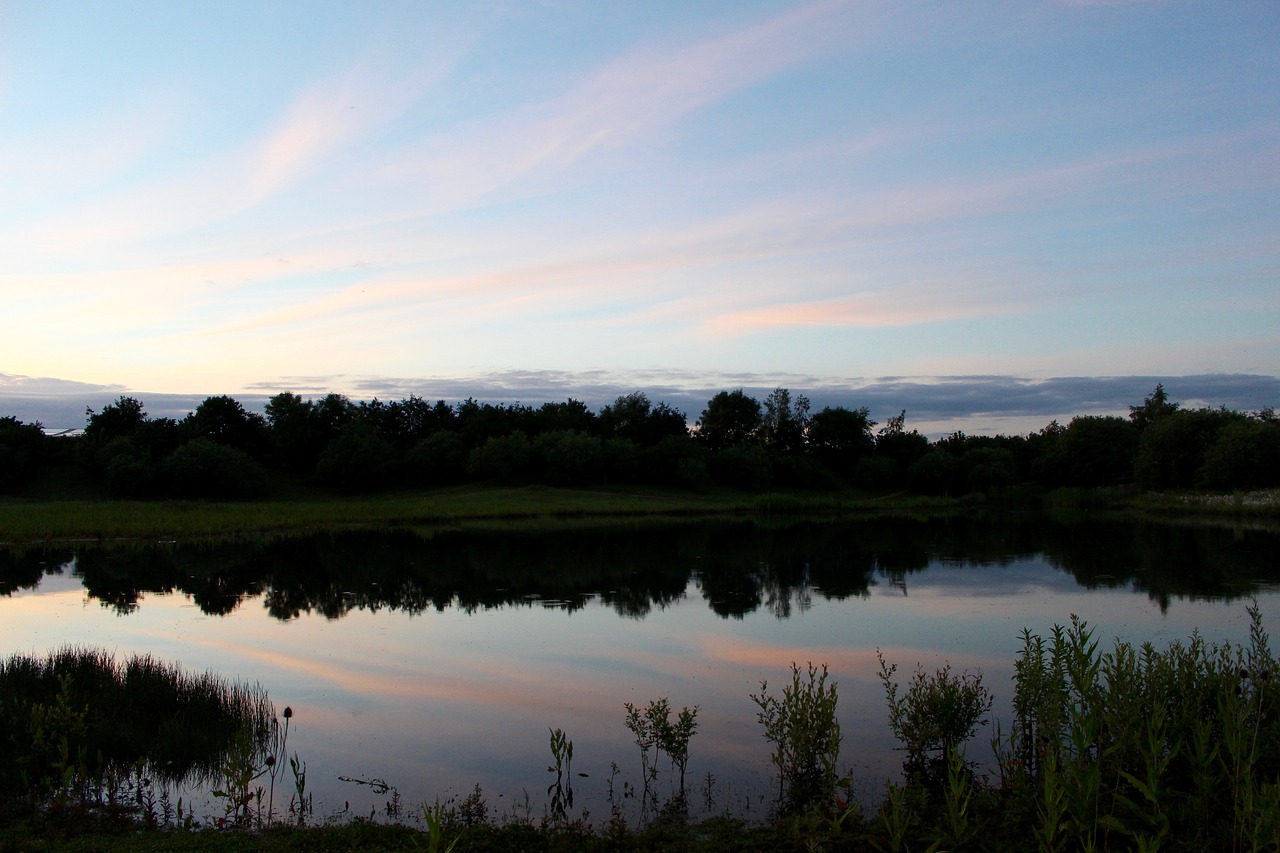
x=436 y=660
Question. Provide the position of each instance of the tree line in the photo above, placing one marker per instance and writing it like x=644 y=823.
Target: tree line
x=222 y=450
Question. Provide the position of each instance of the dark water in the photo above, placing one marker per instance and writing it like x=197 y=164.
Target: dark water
x=438 y=660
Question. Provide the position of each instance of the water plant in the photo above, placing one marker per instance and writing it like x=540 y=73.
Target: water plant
x=560 y=791
x=654 y=729
x=805 y=733
x=936 y=714
x=77 y=716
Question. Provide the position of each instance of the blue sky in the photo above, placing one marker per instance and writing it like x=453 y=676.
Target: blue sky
x=844 y=198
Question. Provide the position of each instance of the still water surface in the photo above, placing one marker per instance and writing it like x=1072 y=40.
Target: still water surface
x=437 y=660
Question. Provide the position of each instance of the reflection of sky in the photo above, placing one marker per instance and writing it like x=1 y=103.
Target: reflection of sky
x=438 y=701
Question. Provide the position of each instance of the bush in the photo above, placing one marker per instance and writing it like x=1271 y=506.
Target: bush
x=743 y=467
x=358 y=460
x=128 y=470
x=805 y=734
x=439 y=458
x=570 y=458
x=936 y=714
x=21 y=451
x=504 y=459
x=202 y=468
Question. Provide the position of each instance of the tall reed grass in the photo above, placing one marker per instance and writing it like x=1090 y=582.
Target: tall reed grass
x=80 y=711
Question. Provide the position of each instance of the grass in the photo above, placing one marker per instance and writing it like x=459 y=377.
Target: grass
x=27 y=521
x=78 y=715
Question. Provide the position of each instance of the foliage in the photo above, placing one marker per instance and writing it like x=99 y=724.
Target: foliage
x=1172 y=449
x=22 y=452
x=203 y=468
x=561 y=790
x=504 y=459
x=79 y=709
x=784 y=425
x=654 y=730
x=375 y=446
x=358 y=460
x=936 y=714
x=570 y=458
x=839 y=437
x=805 y=733
x=224 y=421
x=731 y=418
x=438 y=459
x=1153 y=408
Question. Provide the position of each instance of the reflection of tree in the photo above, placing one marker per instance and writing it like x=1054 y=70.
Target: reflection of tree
x=738 y=567
x=1167 y=561
x=24 y=569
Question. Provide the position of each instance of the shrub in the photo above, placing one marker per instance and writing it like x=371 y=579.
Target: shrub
x=805 y=734
x=937 y=713
x=205 y=469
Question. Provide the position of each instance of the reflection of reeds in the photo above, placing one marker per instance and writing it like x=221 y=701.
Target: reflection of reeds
x=140 y=712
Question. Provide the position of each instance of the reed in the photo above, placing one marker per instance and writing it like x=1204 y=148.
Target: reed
x=80 y=706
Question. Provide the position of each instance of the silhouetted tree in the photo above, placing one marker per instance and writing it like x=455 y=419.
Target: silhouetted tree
x=634 y=418
x=1245 y=454
x=116 y=420
x=439 y=458
x=783 y=425
x=570 y=458
x=204 y=468
x=358 y=460
x=504 y=458
x=839 y=437
x=295 y=437
x=224 y=421
x=572 y=416
x=730 y=419
x=1153 y=408
x=1091 y=451
x=1172 y=447
x=900 y=447
x=22 y=452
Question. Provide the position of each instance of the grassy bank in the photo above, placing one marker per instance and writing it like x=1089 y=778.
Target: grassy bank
x=30 y=520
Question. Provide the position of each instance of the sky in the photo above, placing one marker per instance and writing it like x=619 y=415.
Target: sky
x=989 y=214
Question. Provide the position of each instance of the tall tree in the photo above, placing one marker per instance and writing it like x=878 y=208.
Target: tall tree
x=783 y=426
x=731 y=418
x=1153 y=408
x=839 y=437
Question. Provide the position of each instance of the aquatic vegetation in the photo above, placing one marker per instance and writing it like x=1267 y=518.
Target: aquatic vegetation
x=560 y=791
x=654 y=729
x=78 y=715
x=805 y=734
x=936 y=714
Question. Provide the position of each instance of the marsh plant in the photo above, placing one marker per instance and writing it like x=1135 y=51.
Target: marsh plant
x=77 y=722
x=656 y=733
x=1138 y=748
x=561 y=790
x=935 y=715
x=805 y=733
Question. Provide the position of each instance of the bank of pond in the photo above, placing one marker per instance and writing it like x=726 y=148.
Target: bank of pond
x=1109 y=747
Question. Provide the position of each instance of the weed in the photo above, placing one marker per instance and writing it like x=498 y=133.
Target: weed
x=562 y=765
x=805 y=734
x=654 y=729
x=936 y=714
x=434 y=817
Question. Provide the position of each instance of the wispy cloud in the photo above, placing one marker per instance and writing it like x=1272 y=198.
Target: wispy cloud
x=622 y=104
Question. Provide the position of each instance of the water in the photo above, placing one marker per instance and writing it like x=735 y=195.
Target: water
x=435 y=661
